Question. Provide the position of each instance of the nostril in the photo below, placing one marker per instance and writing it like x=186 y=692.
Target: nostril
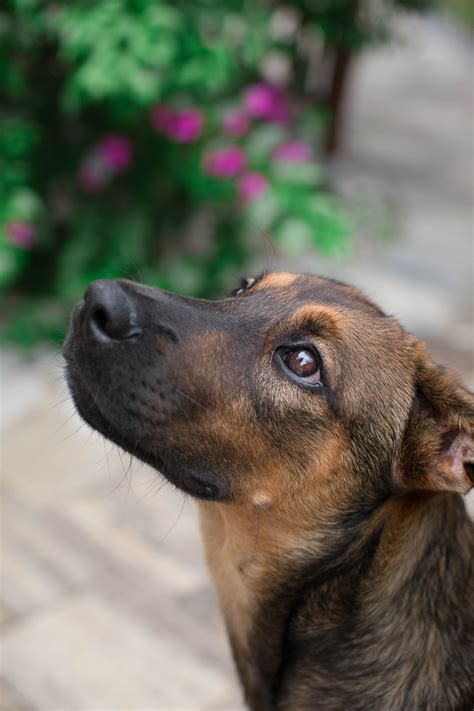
x=110 y=314
x=100 y=319
x=105 y=325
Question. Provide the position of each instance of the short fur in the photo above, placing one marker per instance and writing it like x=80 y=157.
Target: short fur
x=334 y=529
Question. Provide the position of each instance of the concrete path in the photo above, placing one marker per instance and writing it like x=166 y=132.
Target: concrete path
x=106 y=604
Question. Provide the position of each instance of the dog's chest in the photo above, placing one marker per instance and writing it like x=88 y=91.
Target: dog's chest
x=239 y=557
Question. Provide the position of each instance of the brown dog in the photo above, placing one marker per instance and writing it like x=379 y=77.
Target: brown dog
x=328 y=454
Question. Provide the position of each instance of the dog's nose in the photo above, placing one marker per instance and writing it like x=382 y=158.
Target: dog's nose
x=108 y=312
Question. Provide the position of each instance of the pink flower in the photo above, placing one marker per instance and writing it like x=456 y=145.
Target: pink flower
x=251 y=185
x=260 y=99
x=224 y=162
x=182 y=126
x=279 y=114
x=293 y=152
x=21 y=234
x=236 y=123
x=110 y=156
x=116 y=152
x=185 y=126
x=267 y=102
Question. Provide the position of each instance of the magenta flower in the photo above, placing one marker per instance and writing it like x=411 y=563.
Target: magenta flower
x=116 y=152
x=182 y=126
x=185 y=126
x=110 y=156
x=21 y=234
x=267 y=102
x=251 y=185
x=293 y=152
x=236 y=123
x=224 y=162
x=260 y=99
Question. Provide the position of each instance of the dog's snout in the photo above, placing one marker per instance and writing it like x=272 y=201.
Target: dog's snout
x=109 y=312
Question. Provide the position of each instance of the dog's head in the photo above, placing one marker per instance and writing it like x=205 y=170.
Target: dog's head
x=293 y=387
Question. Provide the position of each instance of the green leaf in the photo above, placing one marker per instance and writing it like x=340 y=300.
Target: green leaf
x=263 y=139
x=12 y=261
x=302 y=174
x=262 y=212
x=295 y=236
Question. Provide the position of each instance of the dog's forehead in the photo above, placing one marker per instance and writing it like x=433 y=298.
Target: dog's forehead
x=297 y=289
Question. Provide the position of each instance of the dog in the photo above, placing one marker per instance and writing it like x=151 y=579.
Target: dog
x=327 y=454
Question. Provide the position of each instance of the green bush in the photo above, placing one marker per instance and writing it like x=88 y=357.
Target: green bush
x=138 y=139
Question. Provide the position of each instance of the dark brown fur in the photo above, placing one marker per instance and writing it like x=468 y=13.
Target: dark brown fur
x=332 y=519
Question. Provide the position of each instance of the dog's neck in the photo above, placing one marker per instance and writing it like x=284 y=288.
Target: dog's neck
x=267 y=566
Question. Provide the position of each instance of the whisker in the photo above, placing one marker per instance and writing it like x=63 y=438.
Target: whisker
x=71 y=434
x=196 y=402
x=174 y=524
x=276 y=253
x=126 y=476
x=66 y=421
x=106 y=458
x=156 y=486
x=64 y=397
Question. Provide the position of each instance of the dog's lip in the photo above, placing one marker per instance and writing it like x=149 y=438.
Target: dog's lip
x=205 y=489
x=197 y=486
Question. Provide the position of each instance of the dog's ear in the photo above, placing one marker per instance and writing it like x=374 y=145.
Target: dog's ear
x=437 y=451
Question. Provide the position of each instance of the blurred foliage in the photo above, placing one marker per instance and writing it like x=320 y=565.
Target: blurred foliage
x=137 y=138
x=463 y=10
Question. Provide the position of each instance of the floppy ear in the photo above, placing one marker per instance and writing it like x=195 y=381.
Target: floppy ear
x=438 y=448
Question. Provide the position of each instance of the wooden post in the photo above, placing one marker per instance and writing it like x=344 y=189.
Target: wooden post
x=336 y=100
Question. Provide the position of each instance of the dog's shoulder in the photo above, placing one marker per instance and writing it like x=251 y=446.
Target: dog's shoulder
x=408 y=642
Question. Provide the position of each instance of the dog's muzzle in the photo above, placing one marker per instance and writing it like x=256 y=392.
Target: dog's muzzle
x=130 y=377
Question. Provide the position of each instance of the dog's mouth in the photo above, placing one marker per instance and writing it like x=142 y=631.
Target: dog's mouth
x=168 y=461
x=134 y=381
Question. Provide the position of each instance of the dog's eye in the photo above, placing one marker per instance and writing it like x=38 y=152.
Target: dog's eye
x=304 y=363
x=244 y=285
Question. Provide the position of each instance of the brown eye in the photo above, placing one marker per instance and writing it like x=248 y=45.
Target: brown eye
x=304 y=363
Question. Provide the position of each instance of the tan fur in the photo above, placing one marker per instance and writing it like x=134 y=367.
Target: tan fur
x=310 y=316
x=245 y=542
x=276 y=280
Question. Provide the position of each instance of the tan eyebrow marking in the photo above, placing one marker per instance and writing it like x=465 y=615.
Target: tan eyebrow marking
x=309 y=315
x=275 y=280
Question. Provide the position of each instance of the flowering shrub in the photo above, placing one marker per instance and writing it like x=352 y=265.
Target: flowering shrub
x=157 y=140
x=109 y=157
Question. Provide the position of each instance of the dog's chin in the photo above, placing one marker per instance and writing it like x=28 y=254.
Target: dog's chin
x=197 y=484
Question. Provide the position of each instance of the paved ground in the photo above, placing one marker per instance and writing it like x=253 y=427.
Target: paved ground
x=106 y=604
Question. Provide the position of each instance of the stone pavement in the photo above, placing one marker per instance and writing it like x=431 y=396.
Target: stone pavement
x=106 y=604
